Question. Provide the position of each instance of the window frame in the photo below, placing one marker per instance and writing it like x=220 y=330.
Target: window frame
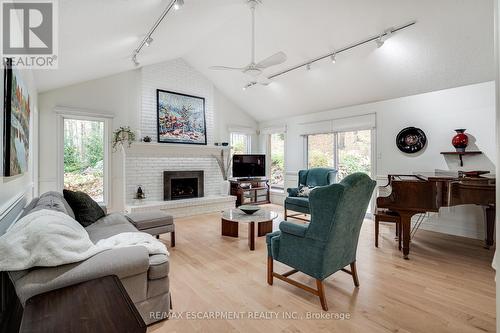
x=106 y=119
x=336 y=147
x=268 y=161
x=248 y=148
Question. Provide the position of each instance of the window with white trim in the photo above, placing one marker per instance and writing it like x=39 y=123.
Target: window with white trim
x=84 y=155
x=241 y=143
x=346 y=151
x=276 y=155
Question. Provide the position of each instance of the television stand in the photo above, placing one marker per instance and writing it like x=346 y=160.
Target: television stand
x=254 y=191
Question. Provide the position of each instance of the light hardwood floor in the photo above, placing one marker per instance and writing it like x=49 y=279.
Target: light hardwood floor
x=446 y=286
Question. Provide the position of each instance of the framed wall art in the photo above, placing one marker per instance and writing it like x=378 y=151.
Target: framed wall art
x=181 y=118
x=17 y=115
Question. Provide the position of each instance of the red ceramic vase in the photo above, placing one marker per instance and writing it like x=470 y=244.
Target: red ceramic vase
x=460 y=140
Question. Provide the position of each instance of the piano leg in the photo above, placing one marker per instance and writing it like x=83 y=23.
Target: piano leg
x=490 y=226
x=405 y=232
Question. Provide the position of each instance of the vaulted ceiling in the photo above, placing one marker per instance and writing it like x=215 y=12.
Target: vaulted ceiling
x=451 y=45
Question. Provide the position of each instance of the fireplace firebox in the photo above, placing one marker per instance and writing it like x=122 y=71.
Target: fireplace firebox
x=182 y=185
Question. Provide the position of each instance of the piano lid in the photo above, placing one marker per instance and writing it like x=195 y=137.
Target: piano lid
x=447 y=175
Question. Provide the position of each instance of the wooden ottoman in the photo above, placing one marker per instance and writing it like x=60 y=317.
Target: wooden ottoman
x=154 y=223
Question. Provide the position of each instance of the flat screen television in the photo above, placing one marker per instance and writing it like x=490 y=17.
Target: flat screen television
x=249 y=165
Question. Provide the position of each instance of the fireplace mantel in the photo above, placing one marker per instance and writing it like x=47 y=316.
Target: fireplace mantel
x=143 y=149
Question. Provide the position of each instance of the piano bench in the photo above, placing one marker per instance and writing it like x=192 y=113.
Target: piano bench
x=386 y=215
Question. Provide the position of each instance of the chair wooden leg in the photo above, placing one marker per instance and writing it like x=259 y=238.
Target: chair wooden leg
x=270 y=270
x=354 y=274
x=157 y=236
x=397 y=229
x=172 y=239
x=376 y=232
x=399 y=236
x=285 y=213
x=321 y=294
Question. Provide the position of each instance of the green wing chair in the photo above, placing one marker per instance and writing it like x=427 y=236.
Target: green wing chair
x=311 y=178
x=327 y=244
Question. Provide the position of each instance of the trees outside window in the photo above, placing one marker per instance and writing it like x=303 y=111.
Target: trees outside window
x=348 y=152
x=320 y=151
x=241 y=143
x=277 y=155
x=84 y=157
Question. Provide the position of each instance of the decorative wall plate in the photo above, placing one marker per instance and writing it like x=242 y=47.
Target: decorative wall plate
x=411 y=140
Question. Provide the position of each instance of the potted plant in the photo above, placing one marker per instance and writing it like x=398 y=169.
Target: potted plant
x=122 y=135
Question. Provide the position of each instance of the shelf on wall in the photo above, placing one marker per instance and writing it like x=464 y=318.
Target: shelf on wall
x=172 y=150
x=460 y=154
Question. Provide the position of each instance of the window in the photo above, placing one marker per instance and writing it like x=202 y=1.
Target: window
x=277 y=165
x=348 y=152
x=241 y=143
x=84 y=157
x=320 y=150
x=354 y=152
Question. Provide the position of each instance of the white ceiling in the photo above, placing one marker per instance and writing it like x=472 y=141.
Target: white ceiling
x=451 y=45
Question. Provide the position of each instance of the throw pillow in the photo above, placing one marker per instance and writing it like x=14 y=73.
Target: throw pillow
x=86 y=210
x=304 y=191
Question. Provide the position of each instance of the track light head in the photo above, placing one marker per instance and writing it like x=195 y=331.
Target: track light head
x=148 y=41
x=333 y=58
x=383 y=37
x=134 y=60
x=178 y=4
x=253 y=83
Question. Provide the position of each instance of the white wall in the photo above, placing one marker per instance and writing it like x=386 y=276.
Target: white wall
x=14 y=188
x=130 y=97
x=438 y=114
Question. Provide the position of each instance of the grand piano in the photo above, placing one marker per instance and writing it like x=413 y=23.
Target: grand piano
x=427 y=192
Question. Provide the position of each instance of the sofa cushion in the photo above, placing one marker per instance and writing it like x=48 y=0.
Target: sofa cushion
x=122 y=262
x=87 y=211
x=107 y=226
x=150 y=219
x=158 y=287
x=158 y=266
x=298 y=201
x=50 y=201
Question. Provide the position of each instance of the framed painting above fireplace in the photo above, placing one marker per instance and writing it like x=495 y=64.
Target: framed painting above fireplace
x=181 y=118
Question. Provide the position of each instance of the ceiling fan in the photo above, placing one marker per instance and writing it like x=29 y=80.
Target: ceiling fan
x=255 y=69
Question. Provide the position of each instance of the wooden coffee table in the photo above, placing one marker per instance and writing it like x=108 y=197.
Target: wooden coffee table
x=233 y=217
x=96 y=306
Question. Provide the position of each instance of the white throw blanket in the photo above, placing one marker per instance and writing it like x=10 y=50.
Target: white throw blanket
x=49 y=238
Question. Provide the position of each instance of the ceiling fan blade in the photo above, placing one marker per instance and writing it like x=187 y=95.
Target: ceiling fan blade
x=224 y=68
x=275 y=59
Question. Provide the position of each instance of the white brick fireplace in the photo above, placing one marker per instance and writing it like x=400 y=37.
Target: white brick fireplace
x=145 y=164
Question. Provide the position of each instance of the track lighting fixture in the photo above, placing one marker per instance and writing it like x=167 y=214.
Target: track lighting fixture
x=378 y=39
x=254 y=83
x=383 y=37
x=134 y=60
x=249 y=84
x=178 y=4
x=148 y=39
